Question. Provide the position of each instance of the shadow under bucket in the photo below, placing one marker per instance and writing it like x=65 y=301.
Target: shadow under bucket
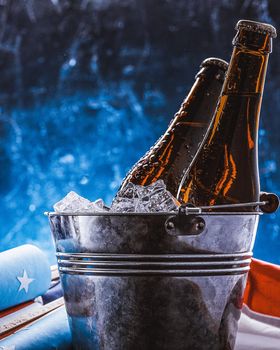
x=158 y=281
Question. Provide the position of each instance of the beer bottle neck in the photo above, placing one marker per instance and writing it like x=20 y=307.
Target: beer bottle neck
x=246 y=73
x=197 y=106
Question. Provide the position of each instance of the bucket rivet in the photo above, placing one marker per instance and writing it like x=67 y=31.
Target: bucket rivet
x=170 y=225
x=200 y=225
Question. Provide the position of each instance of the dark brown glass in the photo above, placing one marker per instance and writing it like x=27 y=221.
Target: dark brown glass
x=172 y=154
x=225 y=171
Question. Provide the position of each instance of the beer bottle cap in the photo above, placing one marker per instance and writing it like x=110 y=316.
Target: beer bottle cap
x=213 y=61
x=258 y=27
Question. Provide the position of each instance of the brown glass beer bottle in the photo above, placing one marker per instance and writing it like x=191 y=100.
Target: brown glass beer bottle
x=171 y=155
x=225 y=170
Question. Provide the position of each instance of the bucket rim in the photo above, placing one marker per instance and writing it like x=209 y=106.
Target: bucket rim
x=143 y=214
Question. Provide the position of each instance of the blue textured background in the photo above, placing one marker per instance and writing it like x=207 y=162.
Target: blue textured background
x=87 y=87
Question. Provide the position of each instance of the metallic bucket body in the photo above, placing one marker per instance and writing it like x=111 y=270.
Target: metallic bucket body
x=147 y=234
x=135 y=282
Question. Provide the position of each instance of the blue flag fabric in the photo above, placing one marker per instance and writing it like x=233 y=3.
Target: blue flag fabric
x=49 y=332
x=53 y=293
x=24 y=274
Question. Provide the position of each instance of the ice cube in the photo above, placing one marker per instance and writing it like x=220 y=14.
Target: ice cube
x=79 y=227
x=152 y=198
x=124 y=205
x=99 y=205
x=129 y=191
x=99 y=202
x=72 y=202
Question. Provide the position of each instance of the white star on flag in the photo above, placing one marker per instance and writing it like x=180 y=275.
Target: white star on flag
x=24 y=282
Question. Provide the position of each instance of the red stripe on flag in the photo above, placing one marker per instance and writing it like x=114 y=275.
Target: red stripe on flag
x=262 y=293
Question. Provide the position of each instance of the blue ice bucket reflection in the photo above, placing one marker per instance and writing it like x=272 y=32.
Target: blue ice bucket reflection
x=153 y=281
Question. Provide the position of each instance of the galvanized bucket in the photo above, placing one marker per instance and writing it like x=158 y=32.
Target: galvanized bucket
x=154 y=281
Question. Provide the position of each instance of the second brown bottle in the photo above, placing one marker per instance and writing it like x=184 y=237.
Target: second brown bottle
x=172 y=154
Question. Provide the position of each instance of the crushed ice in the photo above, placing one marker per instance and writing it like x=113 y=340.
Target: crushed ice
x=146 y=199
x=132 y=198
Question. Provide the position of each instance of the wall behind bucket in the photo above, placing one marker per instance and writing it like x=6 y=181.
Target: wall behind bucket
x=73 y=70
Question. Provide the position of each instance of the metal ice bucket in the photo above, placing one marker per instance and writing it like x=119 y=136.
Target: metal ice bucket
x=154 y=281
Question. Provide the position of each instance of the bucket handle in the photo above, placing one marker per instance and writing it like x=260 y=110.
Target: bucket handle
x=268 y=203
x=187 y=222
